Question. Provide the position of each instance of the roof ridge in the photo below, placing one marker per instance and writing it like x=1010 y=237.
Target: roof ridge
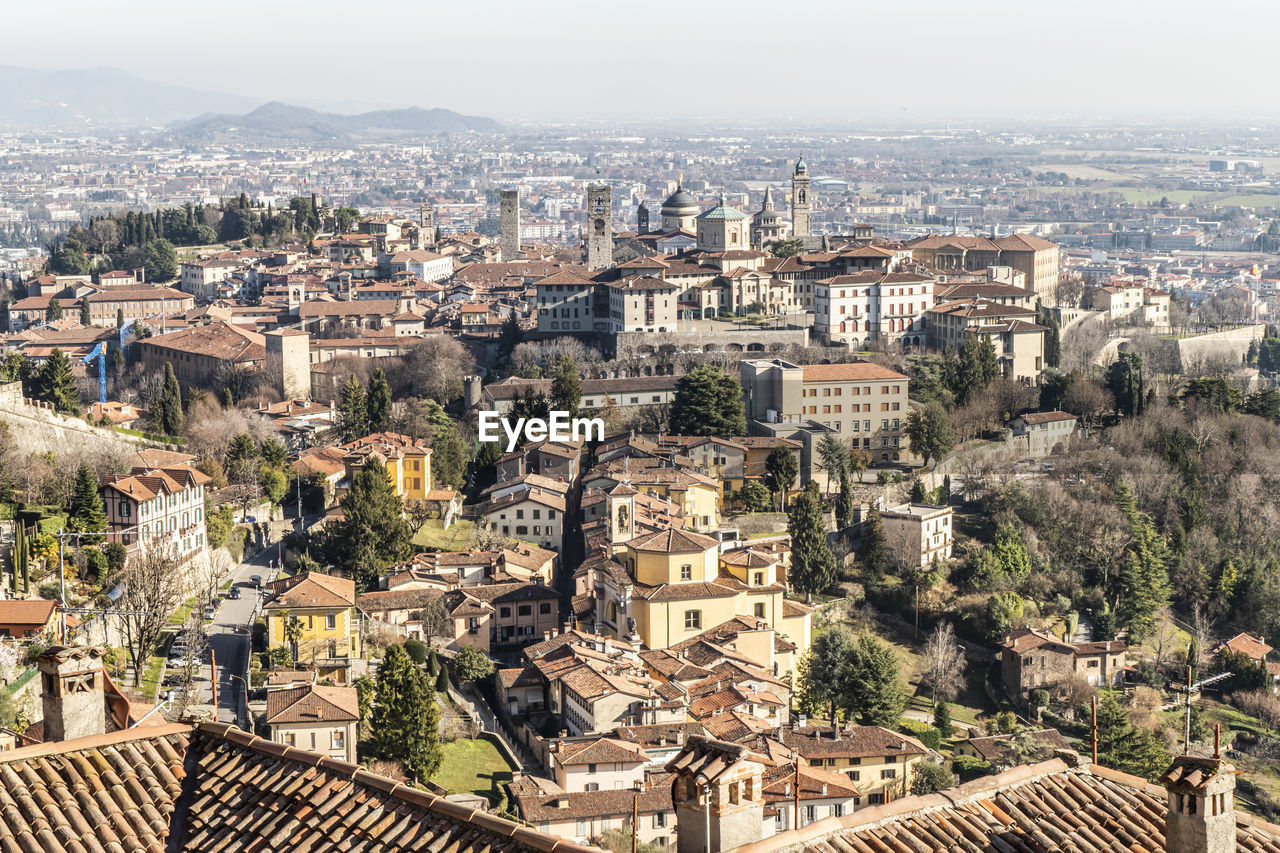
x=62 y=747
x=391 y=787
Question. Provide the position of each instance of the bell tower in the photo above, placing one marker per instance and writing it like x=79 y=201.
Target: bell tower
x=642 y=219
x=426 y=225
x=801 y=205
x=599 y=227
x=621 y=503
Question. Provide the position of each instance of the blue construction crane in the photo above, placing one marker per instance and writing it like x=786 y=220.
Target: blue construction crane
x=100 y=353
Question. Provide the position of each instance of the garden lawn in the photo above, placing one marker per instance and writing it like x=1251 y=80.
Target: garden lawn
x=433 y=535
x=472 y=766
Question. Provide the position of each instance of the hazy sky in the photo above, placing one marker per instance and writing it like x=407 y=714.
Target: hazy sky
x=916 y=61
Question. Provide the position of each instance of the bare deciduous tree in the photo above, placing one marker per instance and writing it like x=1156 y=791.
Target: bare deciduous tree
x=152 y=585
x=943 y=663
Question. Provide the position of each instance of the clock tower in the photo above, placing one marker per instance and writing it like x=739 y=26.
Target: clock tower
x=599 y=227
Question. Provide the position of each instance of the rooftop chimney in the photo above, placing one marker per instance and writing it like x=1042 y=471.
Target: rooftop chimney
x=1200 y=816
x=72 y=685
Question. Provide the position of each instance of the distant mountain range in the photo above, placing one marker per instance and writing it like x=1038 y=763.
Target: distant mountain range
x=101 y=97
x=277 y=122
x=108 y=98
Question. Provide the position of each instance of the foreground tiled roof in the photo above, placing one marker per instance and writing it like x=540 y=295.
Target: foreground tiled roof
x=1040 y=807
x=218 y=788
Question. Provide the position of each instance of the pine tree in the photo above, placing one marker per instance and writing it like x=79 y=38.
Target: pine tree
x=844 y=502
x=813 y=566
x=85 y=318
x=56 y=384
x=405 y=718
x=876 y=697
x=373 y=532
x=929 y=431
x=708 y=402
x=378 y=402
x=566 y=386
x=169 y=417
x=1143 y=581
x=353 y=416
x=942 y=719
x=86 y=509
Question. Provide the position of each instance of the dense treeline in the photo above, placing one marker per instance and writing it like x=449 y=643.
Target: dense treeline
x=147 y=239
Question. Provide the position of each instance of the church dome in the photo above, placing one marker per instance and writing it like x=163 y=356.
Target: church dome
x=678 y=200
x=801 y=167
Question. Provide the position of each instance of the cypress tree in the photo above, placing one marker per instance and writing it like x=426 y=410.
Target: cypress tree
x=378 y=402
x=54 y=312
x=353 y=416
x=120 y=318
x=844 y=502
x=813 y=566
x=875 y=551
x=405 y=719
x=85 y=319
x=169 y=416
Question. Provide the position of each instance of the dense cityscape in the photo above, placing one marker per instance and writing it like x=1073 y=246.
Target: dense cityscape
x=931 y=508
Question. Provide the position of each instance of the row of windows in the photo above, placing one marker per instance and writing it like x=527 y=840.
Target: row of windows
x=525 y=610
x=537 y=513
x=337 y=739
x=855 y=391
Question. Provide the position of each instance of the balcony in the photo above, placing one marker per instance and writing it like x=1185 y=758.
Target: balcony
x=332 y=663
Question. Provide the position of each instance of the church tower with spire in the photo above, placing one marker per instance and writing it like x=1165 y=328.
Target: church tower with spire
x=801 y=206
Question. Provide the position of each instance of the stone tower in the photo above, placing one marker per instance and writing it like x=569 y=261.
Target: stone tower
x=510 y=213
x=426 y=225
x=289 y=362
x=72 y=692
x=801 y=206
x=599 y=227
x=642 y=219
x=1200 y=817
x=717 y=795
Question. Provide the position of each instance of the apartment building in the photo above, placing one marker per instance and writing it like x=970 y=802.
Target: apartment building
x=157 y=506
x=322 y=610
x=872 y=306
x=564 y=302
x=135 y=304
x=1018 y=342
x=201 y=278
x=859 y=400
x=642 y=304
x=879 y=762
x=918 y=532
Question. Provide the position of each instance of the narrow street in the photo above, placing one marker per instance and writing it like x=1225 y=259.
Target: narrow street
x=230 y=637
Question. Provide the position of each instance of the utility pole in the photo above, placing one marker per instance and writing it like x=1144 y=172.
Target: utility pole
x=635 y=822
x=213 y=679
x=1094 y=728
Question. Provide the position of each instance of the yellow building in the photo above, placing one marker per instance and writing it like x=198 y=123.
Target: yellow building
x=408 y=462
x=315 y=615
x=666 y=587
